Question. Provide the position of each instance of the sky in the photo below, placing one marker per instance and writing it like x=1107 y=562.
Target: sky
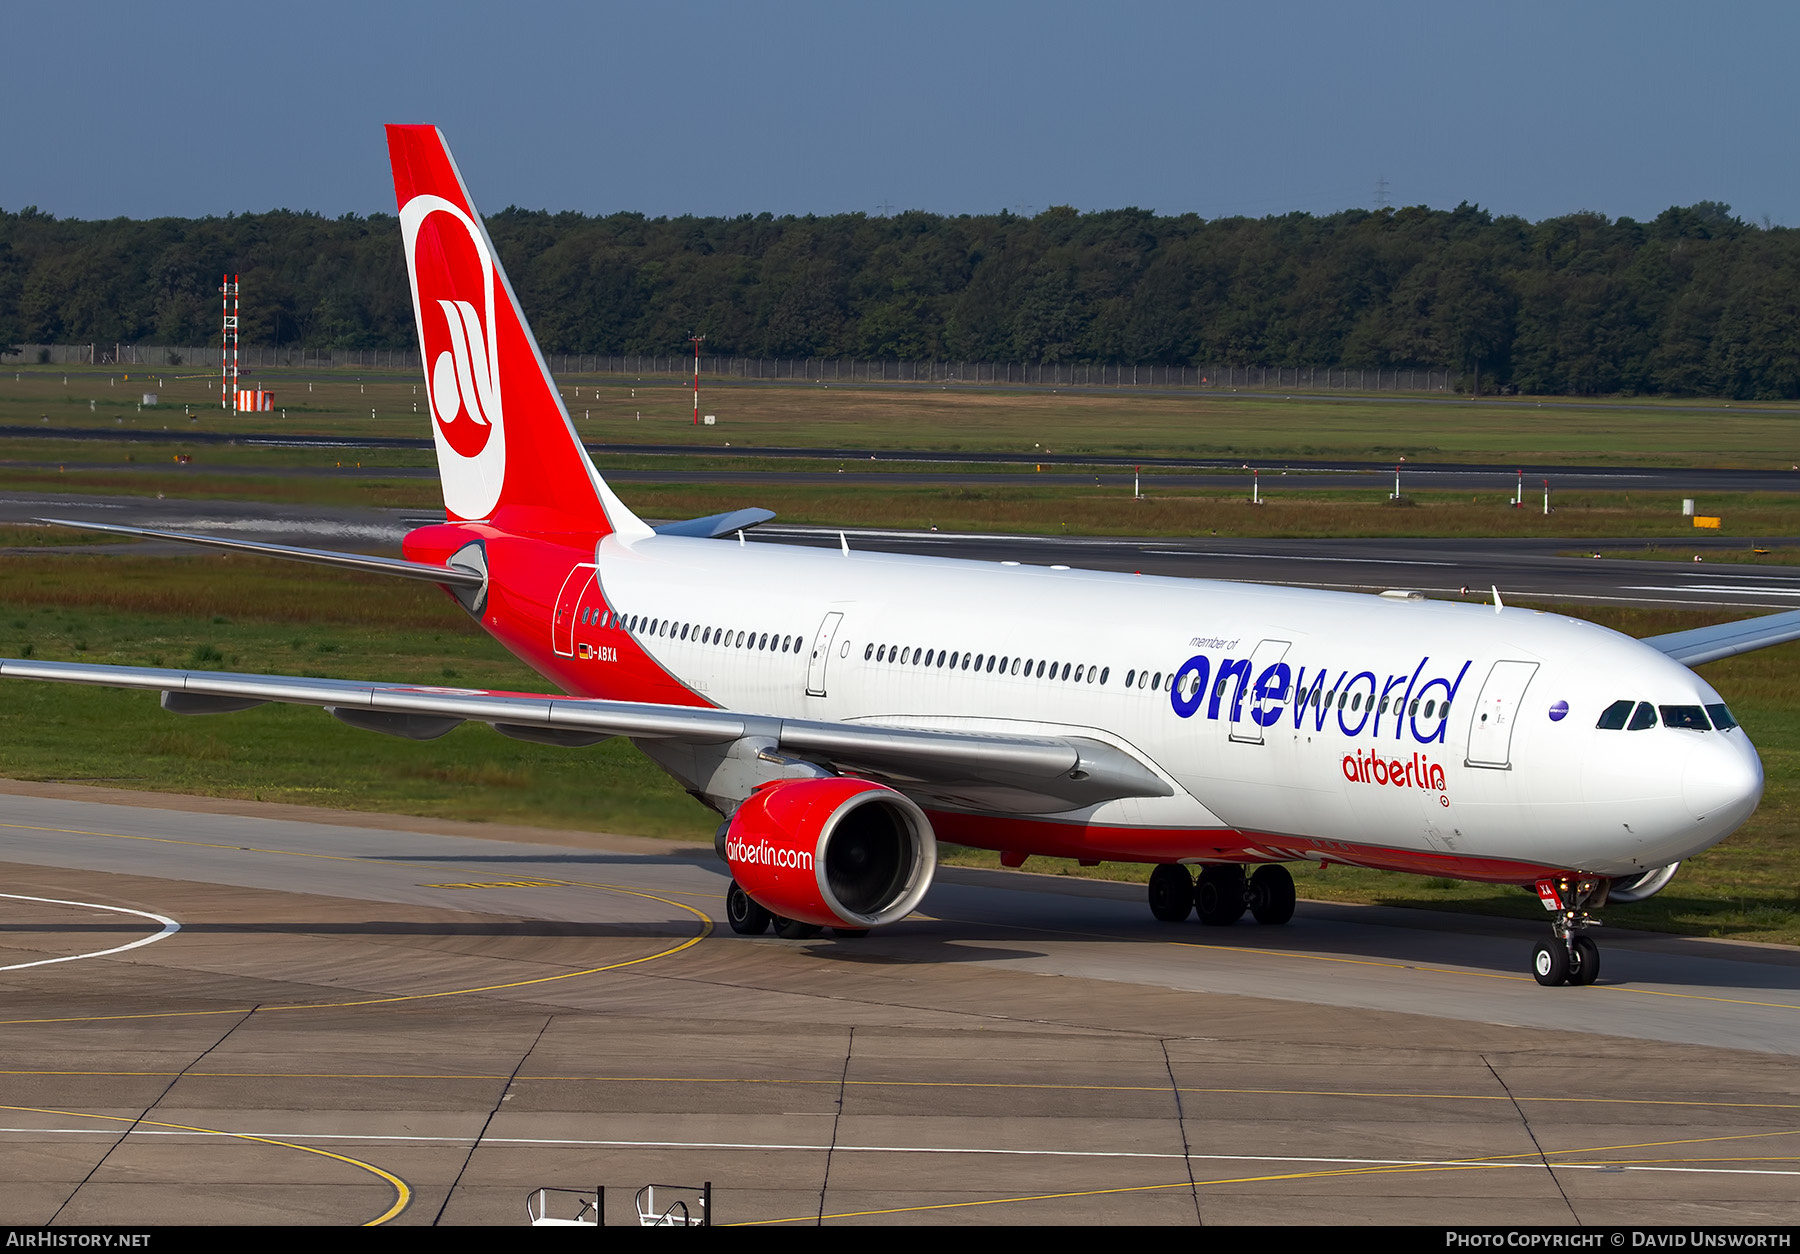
x=1526 y=108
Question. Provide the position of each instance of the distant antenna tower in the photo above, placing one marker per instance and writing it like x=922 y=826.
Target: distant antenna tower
x=228 y=341
x=885 y=209
x=1381 y=192
x=696 y=341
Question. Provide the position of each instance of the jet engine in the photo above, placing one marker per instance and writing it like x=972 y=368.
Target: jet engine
x=1630 y=888
x=832 y=852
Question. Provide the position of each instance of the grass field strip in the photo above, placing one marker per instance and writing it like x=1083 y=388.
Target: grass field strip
x=169 y=928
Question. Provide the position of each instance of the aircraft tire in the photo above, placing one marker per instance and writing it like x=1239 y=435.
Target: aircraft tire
x=1219 y=895
x=1171 y=892
x=1272 y=895
x=743 y=914
x=1584 y=965
x=1550 y=963
x=793 y=929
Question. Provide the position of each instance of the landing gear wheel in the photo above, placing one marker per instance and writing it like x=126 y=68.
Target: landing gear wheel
x=1171 y=892
x=1219 y=896
x=1272 y=895
x=793 y=929
x=849 y=933
x=741 y=911
x=1550 y=963
x=1584 y=961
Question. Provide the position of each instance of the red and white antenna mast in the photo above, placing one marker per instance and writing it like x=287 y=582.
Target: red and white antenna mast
x=228 y=341
x=695 y=339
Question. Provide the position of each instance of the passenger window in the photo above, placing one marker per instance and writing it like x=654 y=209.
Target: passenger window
x=1131 y=677
x=941 y=656
x=1078 y=671
x=1644 y=718
x=990 y=665
x=1686 y=717
x=765 y=641
x=1104 y=672
x=965 y=664
x=1015 y=666
x=1157 y=682
x=1429 y=706
x=1039 y=673
x=978 y=661
x=868 y=652
x=1065 y=673
x=1721 y=717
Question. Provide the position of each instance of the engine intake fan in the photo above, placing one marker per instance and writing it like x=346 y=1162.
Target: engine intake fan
x=833 y=852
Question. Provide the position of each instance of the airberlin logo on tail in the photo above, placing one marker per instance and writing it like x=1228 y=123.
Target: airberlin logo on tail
x=454 y=297
x=764 y=854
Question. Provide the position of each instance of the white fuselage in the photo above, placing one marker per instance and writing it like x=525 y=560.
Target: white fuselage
x=1349 y=743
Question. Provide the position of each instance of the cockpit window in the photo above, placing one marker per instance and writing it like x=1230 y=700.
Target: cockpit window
x=1644 y=718
x=1721 y=717
x=1690 y=717
x=1614 y=716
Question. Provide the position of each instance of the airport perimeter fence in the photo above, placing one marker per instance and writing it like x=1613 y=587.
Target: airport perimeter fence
x=809 y=369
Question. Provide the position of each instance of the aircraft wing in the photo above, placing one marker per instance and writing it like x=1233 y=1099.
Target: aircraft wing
x=1041 y=773
x=1709 y=644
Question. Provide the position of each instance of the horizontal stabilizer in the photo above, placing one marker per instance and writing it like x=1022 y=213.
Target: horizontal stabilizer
x=715 y=525
x=455 y=576
x=1709 y=644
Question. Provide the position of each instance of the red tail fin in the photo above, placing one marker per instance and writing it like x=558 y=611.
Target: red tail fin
x=507 y=452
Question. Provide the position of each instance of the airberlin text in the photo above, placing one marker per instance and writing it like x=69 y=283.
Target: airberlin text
x=1412 y=702
x=1414 y=772
x=762 y=853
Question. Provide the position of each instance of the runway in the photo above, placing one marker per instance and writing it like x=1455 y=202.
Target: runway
x=1549 y=570
x=1220 y=473
x=369 y=1017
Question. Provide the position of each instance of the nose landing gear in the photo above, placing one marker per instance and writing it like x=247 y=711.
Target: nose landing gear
x=1571 y=957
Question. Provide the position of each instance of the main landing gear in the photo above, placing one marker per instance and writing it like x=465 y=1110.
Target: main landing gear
x=749 y=919
x=1222 y=894
x=1569 y=957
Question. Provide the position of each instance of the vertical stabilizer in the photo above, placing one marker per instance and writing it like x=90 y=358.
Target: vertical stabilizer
x=507 y=451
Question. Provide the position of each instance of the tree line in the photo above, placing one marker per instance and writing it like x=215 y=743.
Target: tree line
x=1694 y=302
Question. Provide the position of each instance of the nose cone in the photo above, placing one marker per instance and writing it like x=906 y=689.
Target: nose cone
x=1721 y=779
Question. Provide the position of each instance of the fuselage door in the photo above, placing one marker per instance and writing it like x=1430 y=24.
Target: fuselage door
x=1246 y=728
x=821 y=654
x=568 y=602
x=1497 y=709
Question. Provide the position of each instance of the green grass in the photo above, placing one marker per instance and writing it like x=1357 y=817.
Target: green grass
x=163 y=612
x=614 y=409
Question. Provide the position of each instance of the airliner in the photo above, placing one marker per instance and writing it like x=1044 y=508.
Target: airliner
x=844 y=711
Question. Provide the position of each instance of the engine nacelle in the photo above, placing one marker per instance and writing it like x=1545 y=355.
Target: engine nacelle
x=1627 y=889
x=833 y=852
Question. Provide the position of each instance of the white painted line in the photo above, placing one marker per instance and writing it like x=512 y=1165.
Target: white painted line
x=1737 y=589
x=1533 y=1165
x=169 y=928
x=1296 y=557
